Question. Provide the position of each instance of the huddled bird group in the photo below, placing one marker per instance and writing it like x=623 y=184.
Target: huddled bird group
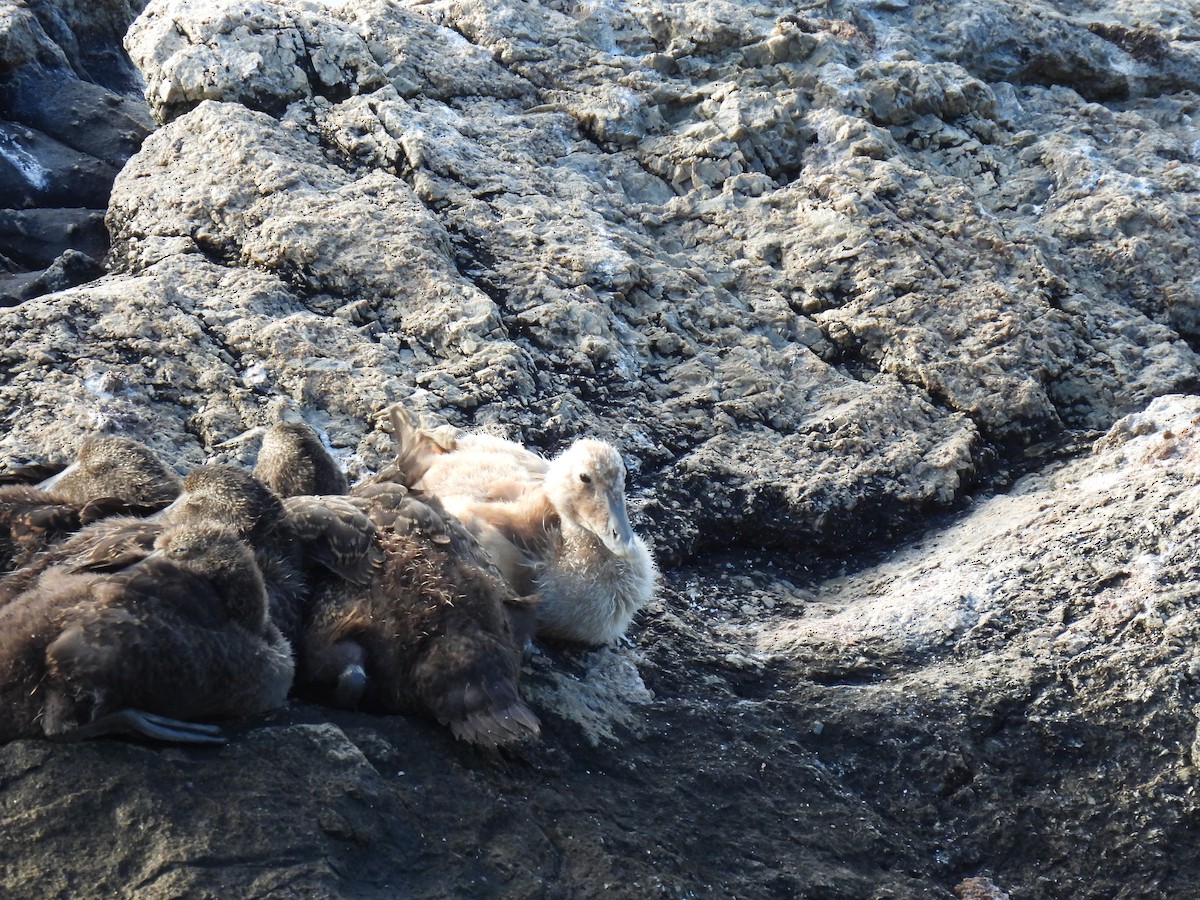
x=136 y=602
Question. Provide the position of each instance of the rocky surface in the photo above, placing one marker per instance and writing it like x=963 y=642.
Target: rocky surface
x=71 y=114
x=833 y=279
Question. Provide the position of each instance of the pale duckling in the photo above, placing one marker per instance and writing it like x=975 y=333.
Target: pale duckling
x=181 y=633
x=558 y=529
x=445 y=463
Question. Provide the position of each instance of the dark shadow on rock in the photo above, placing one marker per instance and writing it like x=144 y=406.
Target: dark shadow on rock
x=71 y=114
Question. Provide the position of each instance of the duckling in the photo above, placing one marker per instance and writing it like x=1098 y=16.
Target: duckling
x=220 y=494
x=557 y=529
x=429 y=634
x=476 y=465
x=111 y=475
x=293 y=462
x=335 y=535
x=115 y=466
x=233 y=497
x=181 y=633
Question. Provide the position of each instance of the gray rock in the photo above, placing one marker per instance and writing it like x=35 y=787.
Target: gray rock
x=70 y=117
x=68 y=270
x=855 y=288
x=34 y=236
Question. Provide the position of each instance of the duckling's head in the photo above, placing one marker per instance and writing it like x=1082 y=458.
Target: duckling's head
x=202 y=546
x=293 y=462
x=115 y=466
x=228 y=495
x=586 y=486
x=218 y=553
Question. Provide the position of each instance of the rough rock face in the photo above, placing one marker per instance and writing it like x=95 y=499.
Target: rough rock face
x=1010 y=701
x=70 y=116
x=830 y=278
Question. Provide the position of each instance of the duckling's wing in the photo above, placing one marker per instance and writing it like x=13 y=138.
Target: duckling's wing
x=530 y=526
x=105 y=507
x=337 y=535
x=34 y=525
x=396 y=509
x=112 y=545
x=416 y=448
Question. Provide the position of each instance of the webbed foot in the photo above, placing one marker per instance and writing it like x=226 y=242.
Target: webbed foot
x=138 y=723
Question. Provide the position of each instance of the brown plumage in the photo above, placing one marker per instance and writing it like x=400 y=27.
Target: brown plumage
x=112 y=475
x=234 y=497
x=108 y=545
x=216 y=494
x=336 y=536
x=181 y=632
x=293 y=462
x=29 y=473
x=429 y=634
x=557 y=528
x=114 y=466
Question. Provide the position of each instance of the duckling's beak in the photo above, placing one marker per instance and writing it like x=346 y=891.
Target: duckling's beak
x=243 y=437
x=167 y=511
x=618 y=533
x=49 y=483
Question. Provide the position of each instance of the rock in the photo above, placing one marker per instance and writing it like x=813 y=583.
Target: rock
x=70 y=116
x=263 y=55
x=1108 y=55
x=842 y=759
x=856 y=288
x=979 y=888
x=33 y=236
x=1045 y=639
x=813 y=250
x=70 y=269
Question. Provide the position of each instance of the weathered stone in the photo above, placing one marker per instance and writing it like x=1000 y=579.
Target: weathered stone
x=830 y=277
x=69 y=119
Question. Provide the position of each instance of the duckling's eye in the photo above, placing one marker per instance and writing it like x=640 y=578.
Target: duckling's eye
x=585 y=477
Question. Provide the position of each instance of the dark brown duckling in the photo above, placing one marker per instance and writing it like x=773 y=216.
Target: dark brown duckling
x=180 y=634
x=293 y=462
x=115 y=466
x=429 y=634
x=118 y=541
x=234 y=497
x=112 y=475
x=289 y=542
x=111 y=544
